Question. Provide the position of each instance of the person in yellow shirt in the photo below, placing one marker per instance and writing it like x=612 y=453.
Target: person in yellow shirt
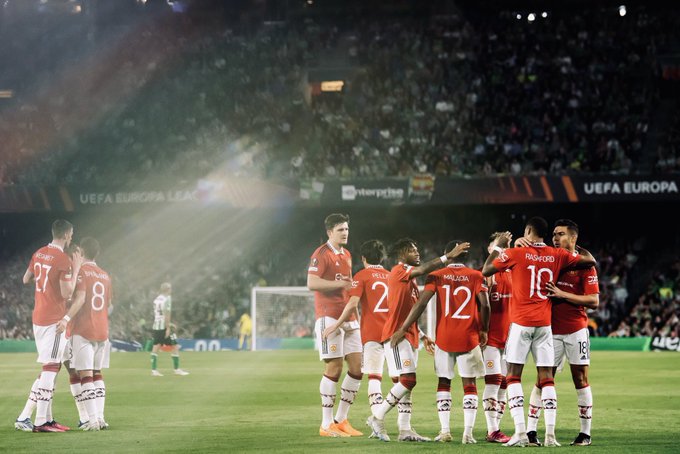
x=245 y=326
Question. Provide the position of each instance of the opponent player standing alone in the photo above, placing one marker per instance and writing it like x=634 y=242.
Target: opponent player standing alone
x=575 y=291
x=162 y=308
x=461 y=292
x=330 y=276
x=402 y=356
x=89 y=316
x=52 y=270
x=369 y=292
x=532 y=268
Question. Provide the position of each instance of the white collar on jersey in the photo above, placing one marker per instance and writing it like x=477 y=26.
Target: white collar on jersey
x=455 y=265
x=56 y=246
x=90 y=262
x=374 y=266
x=335 y=251
x=538 y=244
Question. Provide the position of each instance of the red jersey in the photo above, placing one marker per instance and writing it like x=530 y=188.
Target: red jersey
x=370 y=286
x=568 y=318
x=330 y=264
x=499 y=299
x=532 y=267
x=402 y=295
x=92 y=320
x=50 y=266
x=456 y=287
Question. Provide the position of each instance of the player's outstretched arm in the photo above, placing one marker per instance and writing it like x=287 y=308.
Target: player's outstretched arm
x=591 y=301
x=586 y=258
x=502 y=242
x=350 y=307
x=437 y=263
x=413 y=316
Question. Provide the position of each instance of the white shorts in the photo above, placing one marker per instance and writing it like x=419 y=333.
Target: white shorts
x=50 y=345
x=373 y=358
x=470 y=364
x=107 y=355
x=401 y=360
x=575 y=347
x=87 y=355
x=523 y=339
x=494 y=361
x=344 y=341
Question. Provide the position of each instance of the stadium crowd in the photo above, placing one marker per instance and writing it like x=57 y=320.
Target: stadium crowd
x=453 y=95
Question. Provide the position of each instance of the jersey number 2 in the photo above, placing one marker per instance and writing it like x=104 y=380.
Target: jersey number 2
x=378 y=307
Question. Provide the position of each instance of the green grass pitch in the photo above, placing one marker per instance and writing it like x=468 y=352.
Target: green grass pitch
x=269 y=401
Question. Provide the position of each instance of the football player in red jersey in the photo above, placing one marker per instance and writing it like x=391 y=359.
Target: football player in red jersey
x=532 y=268
x=90 y=331
x=494 y=397
x=369 y=294
x=461 y=333
x=402 y=354
x=330 y=277
x=574 y=291
x=51 y=271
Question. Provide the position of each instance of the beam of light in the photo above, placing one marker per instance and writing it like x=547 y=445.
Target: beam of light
x=83 y=93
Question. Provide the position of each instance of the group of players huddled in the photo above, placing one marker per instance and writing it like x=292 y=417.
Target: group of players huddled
x=528 y=298
x=75 y=334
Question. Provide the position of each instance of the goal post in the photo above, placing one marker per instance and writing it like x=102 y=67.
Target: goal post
x=283 y=317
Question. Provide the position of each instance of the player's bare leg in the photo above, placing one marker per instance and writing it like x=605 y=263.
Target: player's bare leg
x=348 y=392
x=579 y=374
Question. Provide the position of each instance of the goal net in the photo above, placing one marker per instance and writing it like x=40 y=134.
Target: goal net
x=283 y=317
